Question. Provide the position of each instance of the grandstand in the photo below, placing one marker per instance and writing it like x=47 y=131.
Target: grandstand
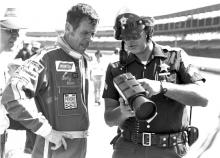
x=196 y=30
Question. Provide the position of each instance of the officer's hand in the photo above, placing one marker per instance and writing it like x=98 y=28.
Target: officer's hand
x=151 y=87
x=125 y=109
x=57 y=138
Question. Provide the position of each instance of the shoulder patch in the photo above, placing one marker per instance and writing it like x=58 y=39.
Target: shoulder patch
x=174 y=57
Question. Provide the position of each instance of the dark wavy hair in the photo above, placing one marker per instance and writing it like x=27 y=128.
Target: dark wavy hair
x=79 y=12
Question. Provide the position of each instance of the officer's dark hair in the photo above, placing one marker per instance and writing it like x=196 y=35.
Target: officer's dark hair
x=148 y=26
x=117 y=28
x=79 y=12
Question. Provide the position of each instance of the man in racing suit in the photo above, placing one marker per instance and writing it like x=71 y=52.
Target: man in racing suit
x=57 y=79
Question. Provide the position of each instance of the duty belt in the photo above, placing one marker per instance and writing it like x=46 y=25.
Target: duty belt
x=152 y=139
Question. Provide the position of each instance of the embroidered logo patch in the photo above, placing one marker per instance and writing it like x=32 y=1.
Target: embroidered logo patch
x=35 y=66
x=65 y=66
x=69 y=101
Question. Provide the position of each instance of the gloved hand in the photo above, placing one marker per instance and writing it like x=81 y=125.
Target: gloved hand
x=4 y=121
x=57 y=138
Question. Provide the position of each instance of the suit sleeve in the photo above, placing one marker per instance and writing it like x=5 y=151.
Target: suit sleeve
x=21 y=87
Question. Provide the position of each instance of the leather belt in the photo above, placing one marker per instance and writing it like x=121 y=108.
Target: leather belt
x=152 y=139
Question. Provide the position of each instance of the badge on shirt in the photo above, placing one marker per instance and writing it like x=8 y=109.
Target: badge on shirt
x=164 y=70
x=70 y=101
x=65 y=66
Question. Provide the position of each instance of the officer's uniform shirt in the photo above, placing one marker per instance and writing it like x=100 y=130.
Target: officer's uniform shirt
x=165 y=64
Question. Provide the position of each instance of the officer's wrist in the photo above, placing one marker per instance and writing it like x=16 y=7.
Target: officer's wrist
x=163 y=90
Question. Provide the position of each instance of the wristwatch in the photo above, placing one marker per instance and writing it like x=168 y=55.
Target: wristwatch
x=162 y=89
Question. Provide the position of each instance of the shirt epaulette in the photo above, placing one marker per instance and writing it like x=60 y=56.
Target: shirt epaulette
x=115 y=64
x=170 y=49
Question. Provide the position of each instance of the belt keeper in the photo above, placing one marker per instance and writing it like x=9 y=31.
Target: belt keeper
x=173 y=139
x=164 y=140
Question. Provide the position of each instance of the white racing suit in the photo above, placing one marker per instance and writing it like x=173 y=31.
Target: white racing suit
x=56 y=78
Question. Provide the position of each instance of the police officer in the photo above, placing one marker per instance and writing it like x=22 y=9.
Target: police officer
x=56 y=78
x=169 y=80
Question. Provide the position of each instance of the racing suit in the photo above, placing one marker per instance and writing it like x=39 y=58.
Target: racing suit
x=57 y=79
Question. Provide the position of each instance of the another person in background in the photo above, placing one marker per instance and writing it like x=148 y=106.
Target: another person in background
x=9 y=33
x=115 y=56
x=25 y=52
x=96 y=75
x=57 y=79
x=35 y=47
x=168 y=83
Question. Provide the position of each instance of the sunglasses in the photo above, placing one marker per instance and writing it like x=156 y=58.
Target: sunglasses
x=10 y=30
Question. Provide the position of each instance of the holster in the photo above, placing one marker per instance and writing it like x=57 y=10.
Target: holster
x=114 y=140
x=193 y=134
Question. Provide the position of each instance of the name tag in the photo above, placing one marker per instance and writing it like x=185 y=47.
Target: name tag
x=164 y=74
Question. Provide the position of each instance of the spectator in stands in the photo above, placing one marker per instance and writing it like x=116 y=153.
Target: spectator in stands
x=162 y=74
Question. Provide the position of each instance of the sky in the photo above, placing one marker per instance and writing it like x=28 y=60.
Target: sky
x=51 y=14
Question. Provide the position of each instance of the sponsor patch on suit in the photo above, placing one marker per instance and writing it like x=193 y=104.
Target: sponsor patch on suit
x=65 y=66
x=69 y=101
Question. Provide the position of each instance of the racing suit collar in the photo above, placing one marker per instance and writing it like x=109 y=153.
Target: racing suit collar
x=66 y=47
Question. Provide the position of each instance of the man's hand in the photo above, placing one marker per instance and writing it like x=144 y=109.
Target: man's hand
x=57 y=138
x=125 y=109
x=152 y=87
